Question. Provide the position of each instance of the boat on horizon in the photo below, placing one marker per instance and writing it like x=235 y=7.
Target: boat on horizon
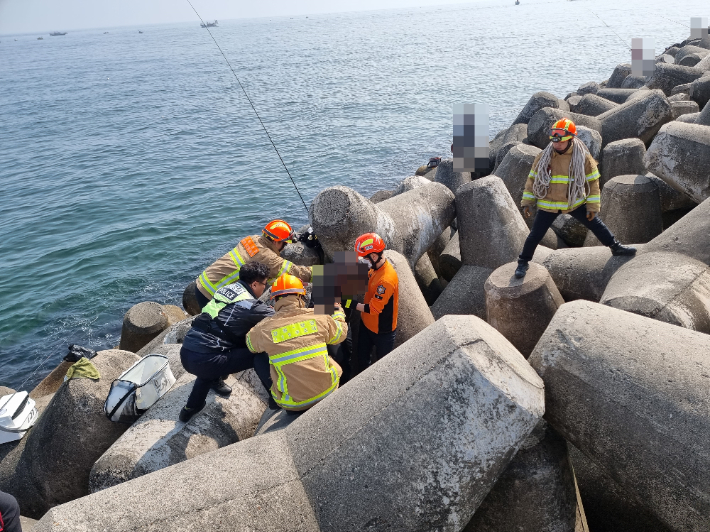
x=139 y=31
x=40 y=38
x=208 y=24
x=517 y=2
x=56 y=33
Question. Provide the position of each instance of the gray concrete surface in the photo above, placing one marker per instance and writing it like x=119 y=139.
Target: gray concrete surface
x=141 y=324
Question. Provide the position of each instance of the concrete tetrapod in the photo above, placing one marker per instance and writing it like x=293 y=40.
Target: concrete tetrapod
x=521 y=309
x=540 y=123
x=443 y=417
x=446 y=175
x=622 y=157
x=158 y=440
x=409 y=223
x=684 y=108
x=631 y=209
x=450 y=258
x=535 y=493
x=680 y=155
x=593 y=105
x=637 y=118
x=617 y=77
x=438 y=248
x=429 y=283
x=641 y=413
x=491 y=229
x=666 y=77
x=464 y=294
x=141 y=324
x=616 y=95
x=570 y=230
x=189 y=300
x=538 y=101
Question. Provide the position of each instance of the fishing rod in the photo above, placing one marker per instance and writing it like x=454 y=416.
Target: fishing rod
x=204 y=25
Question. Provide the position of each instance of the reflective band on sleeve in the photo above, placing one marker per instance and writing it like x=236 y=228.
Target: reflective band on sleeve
x=285 y=268
x=249 y=346
x=338 y=334
x=559 y=205
x=348 y=303
x=294 y=330
x=593 y=176
x=528 y=195
x=594 y=199
x=206 y=284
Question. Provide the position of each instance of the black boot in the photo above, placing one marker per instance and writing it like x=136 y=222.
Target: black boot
x=522 y=268
x=187 y=413
x=221 y=388
x=617 y=249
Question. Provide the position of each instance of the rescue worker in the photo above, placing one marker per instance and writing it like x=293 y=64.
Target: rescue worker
x=564 y=179
x=381 y=302
x=264 y=248
x=9 y=513
x=216 y=346
x=296 y=340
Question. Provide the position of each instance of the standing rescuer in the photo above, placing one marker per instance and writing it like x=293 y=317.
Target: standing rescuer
x=381 y=303
x=296 y=340
x=264 y=248
x=564 y=179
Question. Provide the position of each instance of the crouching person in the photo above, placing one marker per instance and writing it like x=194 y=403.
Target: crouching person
x=216 y=345
x=296 y=340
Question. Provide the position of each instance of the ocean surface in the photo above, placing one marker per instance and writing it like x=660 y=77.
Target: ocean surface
x=129 y=161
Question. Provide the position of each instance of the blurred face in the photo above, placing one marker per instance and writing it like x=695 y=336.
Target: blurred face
x=258 y=287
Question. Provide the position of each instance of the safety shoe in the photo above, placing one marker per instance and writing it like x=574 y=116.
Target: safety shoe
x=187 y=413
x=522 y=269
x=617 y=249
x=221 y=388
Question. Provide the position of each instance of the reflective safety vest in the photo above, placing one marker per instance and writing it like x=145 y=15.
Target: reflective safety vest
x=227 y=295
x=228 y=279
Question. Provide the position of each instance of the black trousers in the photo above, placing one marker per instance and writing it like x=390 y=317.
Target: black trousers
x=9 y=513
x=342 y=353
x=366 y=340
x=201 y=299
x=209 y=368
x=543 y=221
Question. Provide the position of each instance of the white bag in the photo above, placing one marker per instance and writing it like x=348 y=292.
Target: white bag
x=138 y=388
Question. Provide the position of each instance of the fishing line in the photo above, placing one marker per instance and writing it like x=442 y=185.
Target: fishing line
x=252 y=106
x=607 y=25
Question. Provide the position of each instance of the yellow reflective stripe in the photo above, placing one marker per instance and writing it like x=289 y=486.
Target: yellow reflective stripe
x=206 y=284
x=285 y=268
x=249 y=346
x=288 y=402
x=594 y=199
x=367 y=242
x=298 y=355
x=348 y=303
x=237 y=258
x=528 y=195
x=294 y=330
x=337 y=336
x=559 y=204
x=593 y=176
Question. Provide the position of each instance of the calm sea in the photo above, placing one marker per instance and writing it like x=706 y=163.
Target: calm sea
x=129 y=161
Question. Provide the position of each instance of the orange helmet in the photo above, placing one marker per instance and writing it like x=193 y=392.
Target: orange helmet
x=287 y=284
x=278 y=231
x=563 y=130
x=369 y=243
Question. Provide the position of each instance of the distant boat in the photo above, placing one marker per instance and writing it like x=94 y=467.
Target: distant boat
x=56 y=33
x=208 y=24
x=105 y=32
x=517 y=2
x=139 y=31
x=40 y=38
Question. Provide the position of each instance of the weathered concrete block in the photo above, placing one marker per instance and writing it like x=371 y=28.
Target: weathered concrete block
x=158 y=439
x=171 y=335
x=414 y=314
x=634 y=82
x=514 y=171
x=679 y=97
x=521 y=309
x=622 y=157
x=592 y=139
x=446 y=176
x=428 y=280
x=536 y=492
x=465 y=293
x=665 y=77
x=410 y=183
x=300 y=254
x=680 y=108
x=671 y=199
x=570 y=230
x=381 y=195
x=465 y=406
x=51 y=383
x=690 y=118
x=540 y=123
x=680 y=155
x=689 y=50
x=637 y=118
x=504 y=150
x=538 y=101
x=573 y=100
x=667 y=287
x=141 y=324
x=438 y=248
x=680 y=89
x=689 y=236
x=590 y=87
x=703 y=118
x=583 y=273
x=641 y=414
x=631 y=209
x=593 y=105
x=409 y=223
x=618 y=76
x=71 y=434
x=515 y=134
x=700 y=91
x=491 y=229
x=189 y=301
x=450 y=258
x=616 y=95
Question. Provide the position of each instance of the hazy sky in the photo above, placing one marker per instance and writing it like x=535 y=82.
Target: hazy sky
x=23 y=16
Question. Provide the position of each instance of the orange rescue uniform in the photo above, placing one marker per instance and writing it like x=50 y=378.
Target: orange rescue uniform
x=381 y=300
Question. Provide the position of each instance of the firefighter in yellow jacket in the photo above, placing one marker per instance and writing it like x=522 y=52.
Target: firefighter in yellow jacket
x=296 y=340
x=564 y=179
x=264 y=248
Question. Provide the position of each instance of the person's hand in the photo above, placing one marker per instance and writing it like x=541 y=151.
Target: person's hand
x=527 y=211
x=338 y=306
x=591 y=215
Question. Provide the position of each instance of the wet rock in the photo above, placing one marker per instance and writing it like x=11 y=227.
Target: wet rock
x=640 y=413
x=409 y=223
x=538 y=101
x=536 y=492
x=618 y=96
x=583 y=273
x=622 y=157
x=141 y=324
x=631 y=209
x=70 y=435
x=637 y=118
x=427 y=279
x=618 y=76
x=521 y=309
x=593 y=105
x=680 y=155
x=450 y=258
x=414 y=314
x=540 y=124
x=466 y=404
x=446 y=176
x=158 y=439
x=189 y=300
x=381 y=195
x=569 y=230
x=666 y=77
x=464 y=294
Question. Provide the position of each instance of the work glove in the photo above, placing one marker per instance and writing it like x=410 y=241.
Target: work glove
x=527 y=211
x=591 y=215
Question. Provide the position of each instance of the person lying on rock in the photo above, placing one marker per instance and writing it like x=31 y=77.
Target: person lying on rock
x=296 y=340
x=265 y=248
x=216 y=345
x=564 y=179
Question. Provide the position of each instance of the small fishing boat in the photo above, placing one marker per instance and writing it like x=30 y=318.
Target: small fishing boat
x=40 y=38
x=208 y=24
x=56 y=33
x=139 y=31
